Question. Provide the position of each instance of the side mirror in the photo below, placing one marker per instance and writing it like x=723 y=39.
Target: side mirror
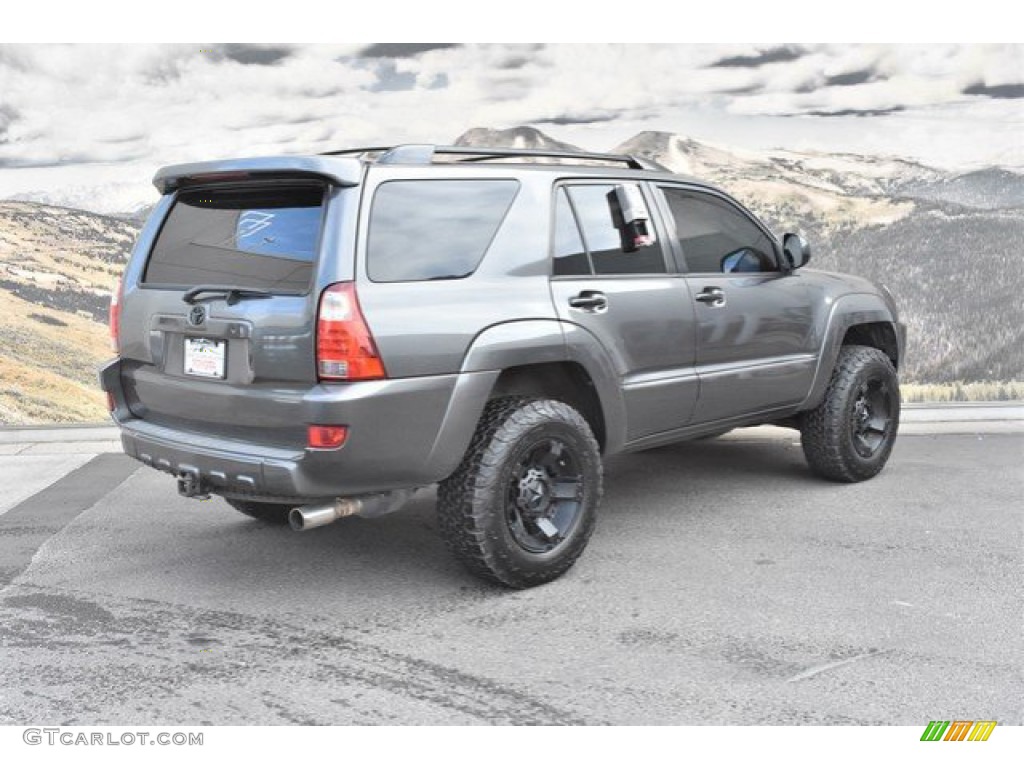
x=797 y=251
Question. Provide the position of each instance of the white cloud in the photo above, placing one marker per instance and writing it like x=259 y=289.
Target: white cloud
x=138 y=107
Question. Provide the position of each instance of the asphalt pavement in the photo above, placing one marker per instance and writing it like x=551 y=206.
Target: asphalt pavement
x=724 y=585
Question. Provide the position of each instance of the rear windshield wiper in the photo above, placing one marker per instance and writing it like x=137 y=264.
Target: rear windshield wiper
x=232 y=294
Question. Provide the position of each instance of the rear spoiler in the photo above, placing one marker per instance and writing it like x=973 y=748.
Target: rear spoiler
x=343 y=171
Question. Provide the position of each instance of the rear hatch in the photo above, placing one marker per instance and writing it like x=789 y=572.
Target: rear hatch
x=218 y=313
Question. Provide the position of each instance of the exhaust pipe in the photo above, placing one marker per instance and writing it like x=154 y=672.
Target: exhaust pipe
x=372 y=505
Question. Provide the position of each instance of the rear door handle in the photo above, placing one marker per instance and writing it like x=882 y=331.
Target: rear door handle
x=591 y=301
x=712 y=296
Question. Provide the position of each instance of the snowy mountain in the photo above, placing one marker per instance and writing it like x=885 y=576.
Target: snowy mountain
x=520 y=137
x=786 y=186
x=104 y=197
x=692 y=158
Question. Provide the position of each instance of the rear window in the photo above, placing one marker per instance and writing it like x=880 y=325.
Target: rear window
x=264 y=238
x=434 y=229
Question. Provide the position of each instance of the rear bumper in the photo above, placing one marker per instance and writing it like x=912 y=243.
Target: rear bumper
x=402 y=433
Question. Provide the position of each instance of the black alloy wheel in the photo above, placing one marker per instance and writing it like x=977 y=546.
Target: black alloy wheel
x=545 y=495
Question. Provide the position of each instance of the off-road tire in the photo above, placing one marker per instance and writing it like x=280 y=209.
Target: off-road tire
x=276 y=514
x=828 y=432
x=477 y=518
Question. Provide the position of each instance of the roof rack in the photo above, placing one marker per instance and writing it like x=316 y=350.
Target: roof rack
x=423 y=154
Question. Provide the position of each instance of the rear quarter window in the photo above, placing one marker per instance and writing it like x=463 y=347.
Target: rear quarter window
x=434 y=229
x=264 y=238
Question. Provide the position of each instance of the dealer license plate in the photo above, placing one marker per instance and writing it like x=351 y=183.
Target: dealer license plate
x=205 y=357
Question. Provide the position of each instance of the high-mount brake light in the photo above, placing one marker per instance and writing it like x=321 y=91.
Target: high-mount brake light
x=214 y=177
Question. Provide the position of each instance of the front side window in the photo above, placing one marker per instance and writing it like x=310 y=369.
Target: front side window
x=604 y=235
x=250 y=237
x=717 y=237
x=434 y=229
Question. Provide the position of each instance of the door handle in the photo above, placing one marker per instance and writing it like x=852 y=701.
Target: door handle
x=591 y=301
x=712 y=296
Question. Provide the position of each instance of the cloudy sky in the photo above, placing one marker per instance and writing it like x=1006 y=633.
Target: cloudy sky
x=88 y=124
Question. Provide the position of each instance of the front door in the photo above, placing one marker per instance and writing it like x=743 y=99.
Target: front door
x=755 y=345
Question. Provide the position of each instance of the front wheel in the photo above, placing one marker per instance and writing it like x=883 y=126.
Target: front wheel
x=520 y=508
x=848 y=438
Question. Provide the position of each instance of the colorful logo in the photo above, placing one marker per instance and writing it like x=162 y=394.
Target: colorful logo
x=958 y=730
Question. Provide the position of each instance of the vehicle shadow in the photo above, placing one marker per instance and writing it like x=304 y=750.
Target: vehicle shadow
x=707 y=465
x=402 y=553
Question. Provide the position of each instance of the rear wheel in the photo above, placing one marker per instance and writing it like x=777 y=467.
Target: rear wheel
x=269 y=513
x=849 y=436
x=520 y=508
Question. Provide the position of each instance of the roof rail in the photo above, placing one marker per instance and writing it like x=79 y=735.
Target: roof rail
x=423 y=154
x=482 y=154
x=356 y=151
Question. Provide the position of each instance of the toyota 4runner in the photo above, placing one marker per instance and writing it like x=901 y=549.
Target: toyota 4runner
x=318 y=336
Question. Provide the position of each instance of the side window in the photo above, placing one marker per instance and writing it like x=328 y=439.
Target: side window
x=716 y=237
x=570 y=253
x=596 y=210
x=434 y=229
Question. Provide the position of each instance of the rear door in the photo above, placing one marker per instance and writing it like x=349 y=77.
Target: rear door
x=755 y=342
x=223 y=364
x=630 y=301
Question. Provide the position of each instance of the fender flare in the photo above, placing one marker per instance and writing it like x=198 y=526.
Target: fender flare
x=847 y=311
x=583 y=348
x=520 y=343
x=531 y=342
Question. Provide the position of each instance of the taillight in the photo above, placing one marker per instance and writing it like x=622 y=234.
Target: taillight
x=344 y=346
x=115 y=317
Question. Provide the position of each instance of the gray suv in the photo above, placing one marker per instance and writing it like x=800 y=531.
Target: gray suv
x=314 y=337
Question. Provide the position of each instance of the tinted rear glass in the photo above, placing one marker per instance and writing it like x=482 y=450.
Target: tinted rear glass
x=434 y=229
x=247 y=237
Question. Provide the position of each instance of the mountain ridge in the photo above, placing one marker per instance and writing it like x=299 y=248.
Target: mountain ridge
x=875 y=174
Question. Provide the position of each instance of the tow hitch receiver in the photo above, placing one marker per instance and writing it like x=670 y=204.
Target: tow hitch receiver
x=190 y=485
